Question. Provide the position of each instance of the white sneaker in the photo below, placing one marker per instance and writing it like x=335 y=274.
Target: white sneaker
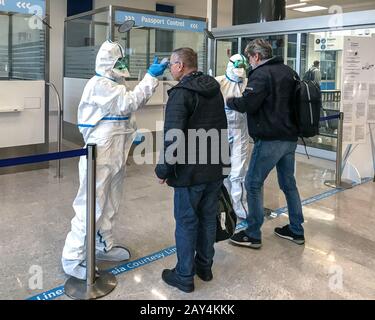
x=116 y=254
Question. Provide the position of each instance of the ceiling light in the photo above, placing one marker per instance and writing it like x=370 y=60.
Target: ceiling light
x=295 y=5
x=311 y=8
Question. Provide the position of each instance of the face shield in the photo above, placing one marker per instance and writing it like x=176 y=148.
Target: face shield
x=121 y=68
x=241 y=64
x=238 y=68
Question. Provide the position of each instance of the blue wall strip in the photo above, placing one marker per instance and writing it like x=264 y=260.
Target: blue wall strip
x=43 y=157
x=59 y=291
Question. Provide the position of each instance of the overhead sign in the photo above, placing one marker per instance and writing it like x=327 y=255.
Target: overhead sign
x=37 y=7
x=161 y=22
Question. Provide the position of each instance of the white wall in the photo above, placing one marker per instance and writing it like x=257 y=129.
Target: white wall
x=58 y=9
x=25 y=126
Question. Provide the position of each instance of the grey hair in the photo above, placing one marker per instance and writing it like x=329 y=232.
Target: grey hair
x=187 y=56
x=260 y=46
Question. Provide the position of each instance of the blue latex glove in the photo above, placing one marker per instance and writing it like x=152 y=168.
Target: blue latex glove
x=157 y=69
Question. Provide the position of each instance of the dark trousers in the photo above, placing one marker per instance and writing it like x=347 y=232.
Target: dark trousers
x=195 y=211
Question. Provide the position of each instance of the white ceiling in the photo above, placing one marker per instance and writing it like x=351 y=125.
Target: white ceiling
x=346 y=5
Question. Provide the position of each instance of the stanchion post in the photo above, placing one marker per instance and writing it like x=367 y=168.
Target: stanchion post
x=338 y=183
x=90 y=213
x=340 y=130
x=59 y=128
x=96 y=285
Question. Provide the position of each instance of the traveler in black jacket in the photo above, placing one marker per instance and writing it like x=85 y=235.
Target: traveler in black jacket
x=272 y=124
x=194 y=167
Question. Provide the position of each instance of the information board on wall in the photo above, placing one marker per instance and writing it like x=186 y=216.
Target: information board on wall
x=358 y=89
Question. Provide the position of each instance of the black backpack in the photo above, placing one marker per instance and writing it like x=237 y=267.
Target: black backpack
x=226 y=218
x=309 y=75
x=308 y=103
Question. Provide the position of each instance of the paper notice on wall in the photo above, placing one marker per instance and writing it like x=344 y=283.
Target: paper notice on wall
x=358 y=90
x=360 y=134
x=371 y=112
x=360 y=112
x=348 y=111
x=371 y=94
x=347 y=133
x=348 y=91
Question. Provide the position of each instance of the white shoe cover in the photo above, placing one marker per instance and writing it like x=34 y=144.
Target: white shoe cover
x=76 y=268
x=116 y=254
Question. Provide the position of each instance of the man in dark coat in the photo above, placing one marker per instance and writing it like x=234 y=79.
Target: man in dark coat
x=192 y=163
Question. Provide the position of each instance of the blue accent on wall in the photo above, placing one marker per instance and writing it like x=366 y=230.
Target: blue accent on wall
x=78 y=6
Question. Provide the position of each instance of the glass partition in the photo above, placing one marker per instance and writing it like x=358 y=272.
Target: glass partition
x=83 y=38
x=142 y=44
x=22 y=48
x=277 y=42
x=152 y=35
x=282 y=45
x=225 y=48
x=4 y=42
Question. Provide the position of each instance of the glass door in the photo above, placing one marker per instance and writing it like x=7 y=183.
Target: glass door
x=225 y=48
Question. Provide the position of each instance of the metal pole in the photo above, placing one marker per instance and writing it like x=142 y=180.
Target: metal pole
x=212 y=9
x=90 y=214
x=372 y=147
x=298 y=53
x=339 y=150
x=59 y=128
x=338 y=182
x=95 y=286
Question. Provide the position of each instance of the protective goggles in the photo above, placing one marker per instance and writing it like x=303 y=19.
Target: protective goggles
x=121 y=64
x=241 y=63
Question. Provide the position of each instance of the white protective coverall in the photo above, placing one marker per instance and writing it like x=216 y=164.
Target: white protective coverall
x=105 y=117
x=233 y=84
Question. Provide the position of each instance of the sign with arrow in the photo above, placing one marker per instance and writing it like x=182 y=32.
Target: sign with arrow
x=25 y=7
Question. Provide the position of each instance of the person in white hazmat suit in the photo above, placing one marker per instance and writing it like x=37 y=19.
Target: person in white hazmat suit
x=105 y=117
x=233 y=84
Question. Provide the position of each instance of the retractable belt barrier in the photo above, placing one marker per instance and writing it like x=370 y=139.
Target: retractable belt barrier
x=42 y=158
x=333 y=117
x=338 y=182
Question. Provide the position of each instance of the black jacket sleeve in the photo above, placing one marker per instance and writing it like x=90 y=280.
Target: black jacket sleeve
x=253 y=96
x=177 y=115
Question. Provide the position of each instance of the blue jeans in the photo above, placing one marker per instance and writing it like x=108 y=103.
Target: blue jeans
x=266 y=155
x=195 y=211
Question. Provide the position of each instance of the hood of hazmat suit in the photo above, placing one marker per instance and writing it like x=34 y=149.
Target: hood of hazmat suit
x=233 y=84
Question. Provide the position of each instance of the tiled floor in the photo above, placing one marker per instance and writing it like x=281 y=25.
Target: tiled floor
x=36 y=210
